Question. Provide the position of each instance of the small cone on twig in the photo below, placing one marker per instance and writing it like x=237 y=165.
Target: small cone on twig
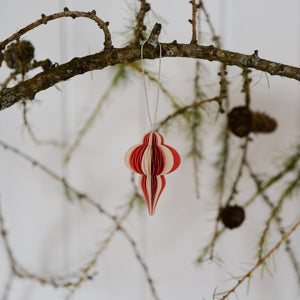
x=242 y=121
x=19 y=54
x=263 y=123
x=232 y=216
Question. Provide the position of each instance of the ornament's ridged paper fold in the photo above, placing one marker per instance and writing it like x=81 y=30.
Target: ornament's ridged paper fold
x=152 y=159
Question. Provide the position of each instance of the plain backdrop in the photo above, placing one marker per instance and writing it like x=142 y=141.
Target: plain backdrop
x=51 y=235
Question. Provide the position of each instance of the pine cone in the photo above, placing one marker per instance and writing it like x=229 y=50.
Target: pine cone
x=232 y=216
x=19 y=54
x=240 y=121
x=263 y=123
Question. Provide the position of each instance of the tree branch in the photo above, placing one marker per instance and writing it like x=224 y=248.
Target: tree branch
x=66 y=13
x=118 y=226
x=260 y=262
x=42 y=81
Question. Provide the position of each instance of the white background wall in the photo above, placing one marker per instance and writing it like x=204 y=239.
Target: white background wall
x=50 y=235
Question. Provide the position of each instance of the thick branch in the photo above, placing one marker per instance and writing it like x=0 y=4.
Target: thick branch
x=108 y=57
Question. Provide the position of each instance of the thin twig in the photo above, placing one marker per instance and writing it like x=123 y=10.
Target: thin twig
x=73 y=14
x=274 y=179
x=8 y=286
x=260 y=262
x=85 y=272
x=137 y=68
x=195 y=121
x=215 y=37
x=88 y=123
x=246 y=86
x=31 y=132
x=183 y=109
x=278 y=220
x=87 y=199
x=274 y=213
x=140 y=27
x=289 y=166
x=18 y=270
x=223 y=95
x=193 y=22
x=239 y=173
x=208 y=247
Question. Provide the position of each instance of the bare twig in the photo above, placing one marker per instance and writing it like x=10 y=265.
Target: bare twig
x=274 y=179
x=278 y=220
x=195 y=121
x=215 y=37
x=246 y=86
x=183 y=109
x=8 y=286
x=140 y=27
x=88 y=123
x=223 y=95
x=73 y=14
x=193 y=21
x=137 y=68
x=274 y=213
x=239 y=173
x=18 y=270
x=208 y=247
x=261 y=261
x=87 y=199
x=31 y=132
x=85 y=272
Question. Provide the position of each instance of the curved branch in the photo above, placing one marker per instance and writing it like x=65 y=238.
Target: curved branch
x=66 y=13
x=109 y=57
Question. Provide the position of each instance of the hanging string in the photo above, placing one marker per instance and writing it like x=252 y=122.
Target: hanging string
x=152 y=124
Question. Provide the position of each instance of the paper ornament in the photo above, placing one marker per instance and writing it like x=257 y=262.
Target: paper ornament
x=152 y=159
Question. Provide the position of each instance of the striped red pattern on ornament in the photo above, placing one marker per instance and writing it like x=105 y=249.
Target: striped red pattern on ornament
x=152 y=159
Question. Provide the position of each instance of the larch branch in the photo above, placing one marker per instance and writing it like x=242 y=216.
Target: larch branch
x=109 y=57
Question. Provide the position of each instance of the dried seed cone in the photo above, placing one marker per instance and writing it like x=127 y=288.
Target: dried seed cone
x=19 y=54
x=240 y=121
x=232 y=216
x=263 y=123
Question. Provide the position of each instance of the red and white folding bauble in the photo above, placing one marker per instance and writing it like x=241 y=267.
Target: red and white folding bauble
x=152 y=159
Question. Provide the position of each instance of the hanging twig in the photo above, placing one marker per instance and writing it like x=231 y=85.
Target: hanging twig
x=239 y=173
x=260 y=262
x=183 y=109
x=278 y=220
x=8 y=286
x=31 y=132
x=87 y=199
x=215 y=37
x=274 y=213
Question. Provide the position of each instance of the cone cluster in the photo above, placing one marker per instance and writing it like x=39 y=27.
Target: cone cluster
x=242 y=121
